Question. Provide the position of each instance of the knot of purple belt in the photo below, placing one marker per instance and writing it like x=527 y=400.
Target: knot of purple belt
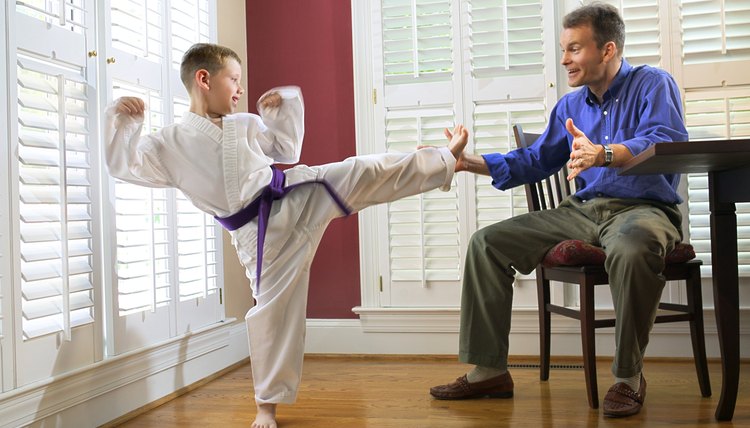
x=261 y=207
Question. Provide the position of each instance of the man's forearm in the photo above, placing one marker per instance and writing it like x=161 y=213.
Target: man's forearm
x=473 y=163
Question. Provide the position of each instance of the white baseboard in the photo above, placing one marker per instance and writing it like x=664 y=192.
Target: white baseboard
x=107 y=390
x=435 y=331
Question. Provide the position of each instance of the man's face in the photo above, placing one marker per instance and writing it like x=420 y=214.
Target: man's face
x=225 y=88
x=582 y=59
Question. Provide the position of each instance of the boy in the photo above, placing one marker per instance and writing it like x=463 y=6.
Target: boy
x=223 y=163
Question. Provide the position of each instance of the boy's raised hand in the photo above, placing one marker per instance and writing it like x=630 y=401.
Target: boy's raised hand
x=132 y=106
x=270 y=100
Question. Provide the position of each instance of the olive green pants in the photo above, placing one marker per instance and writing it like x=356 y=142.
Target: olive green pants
x=636 y=234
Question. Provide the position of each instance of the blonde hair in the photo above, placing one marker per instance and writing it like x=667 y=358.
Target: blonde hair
x=204 y=56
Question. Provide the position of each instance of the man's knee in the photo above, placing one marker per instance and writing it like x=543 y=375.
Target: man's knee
x=628 y=253
x=488 y=238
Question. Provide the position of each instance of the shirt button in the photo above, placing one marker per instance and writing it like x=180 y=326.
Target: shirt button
x=606 y=137
x=605 y=112
x=599 y=195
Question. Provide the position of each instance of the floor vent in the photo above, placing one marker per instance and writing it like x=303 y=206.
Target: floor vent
x=551 y=366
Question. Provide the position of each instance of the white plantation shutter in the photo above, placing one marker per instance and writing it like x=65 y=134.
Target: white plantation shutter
x=69 y=14
x=508 y=80
x=423 y=229
x=144 y=276
x=416 y=40
x=415 y=48
x=715 y=30
x=168 y=252
x=715 y=57
x=53 y=174
x=718 y=114
x=437 y=63
x=506 y=37
x=646 y=26
x=6 y=238
x=196 y=251
x=493 y=133
x=190 y=25
x=136 y=27
x=715 y=43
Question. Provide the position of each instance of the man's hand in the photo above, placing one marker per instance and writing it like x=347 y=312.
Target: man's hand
x=132 y=106
x=270 y=100
x=584 y=153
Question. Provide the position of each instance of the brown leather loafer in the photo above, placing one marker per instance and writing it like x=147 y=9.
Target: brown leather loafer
x=622 y=401
x=496 y=387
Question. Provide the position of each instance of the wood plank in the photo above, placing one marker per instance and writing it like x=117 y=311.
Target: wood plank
x=356 y=391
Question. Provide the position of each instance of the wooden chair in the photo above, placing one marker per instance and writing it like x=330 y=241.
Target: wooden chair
x=547 y=194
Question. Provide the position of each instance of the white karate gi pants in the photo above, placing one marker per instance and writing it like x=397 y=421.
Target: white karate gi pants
x=276 y=325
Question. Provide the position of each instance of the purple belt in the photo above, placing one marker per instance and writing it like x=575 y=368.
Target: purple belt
x=261 y=208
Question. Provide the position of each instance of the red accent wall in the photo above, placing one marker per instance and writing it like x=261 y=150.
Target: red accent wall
x=309 y=44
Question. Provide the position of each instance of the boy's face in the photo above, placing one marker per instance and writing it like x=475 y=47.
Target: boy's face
x=582 y=59
x=225 y=89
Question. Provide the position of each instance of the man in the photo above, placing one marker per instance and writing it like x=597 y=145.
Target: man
x=618 y=111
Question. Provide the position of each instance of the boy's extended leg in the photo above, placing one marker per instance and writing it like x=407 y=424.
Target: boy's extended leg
x=362 y=181
x=368 y=180
x=276 y=325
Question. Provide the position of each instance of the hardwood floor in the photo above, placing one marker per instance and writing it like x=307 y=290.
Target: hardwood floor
x=392 y=391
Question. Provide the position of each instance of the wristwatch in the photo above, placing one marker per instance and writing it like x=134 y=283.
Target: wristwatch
x=608 y=155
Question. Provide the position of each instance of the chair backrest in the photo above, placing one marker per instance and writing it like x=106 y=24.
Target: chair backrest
x=547 y=193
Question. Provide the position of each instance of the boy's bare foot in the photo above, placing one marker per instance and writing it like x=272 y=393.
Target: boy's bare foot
x=266 y=417
x=457 y=140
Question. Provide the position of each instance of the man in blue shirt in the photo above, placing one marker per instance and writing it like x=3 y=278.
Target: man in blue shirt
x=618 y=112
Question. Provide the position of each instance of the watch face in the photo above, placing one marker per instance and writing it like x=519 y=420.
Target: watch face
x=607 y=155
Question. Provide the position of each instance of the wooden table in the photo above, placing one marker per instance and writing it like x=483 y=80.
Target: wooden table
x=727 y=163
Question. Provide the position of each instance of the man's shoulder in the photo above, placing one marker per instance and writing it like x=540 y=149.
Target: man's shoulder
x=648 y=72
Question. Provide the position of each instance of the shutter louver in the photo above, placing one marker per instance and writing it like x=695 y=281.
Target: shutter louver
x=68 y=14
x=142 y=222
x=189 y=26
x=716 y=116
x=715 y=30
x=136 y=27
x=493 y=133
x=423 y=229
x=196 y=251
x=55 y=198
x=417 y=40
x=506 y=37
x=643 y=35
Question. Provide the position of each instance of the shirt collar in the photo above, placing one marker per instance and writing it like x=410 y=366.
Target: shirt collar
x=203 y=124
x=614 y=87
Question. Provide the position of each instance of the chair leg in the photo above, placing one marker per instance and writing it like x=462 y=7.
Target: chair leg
x=697 y=337
x=588 y=342
x=543 y=297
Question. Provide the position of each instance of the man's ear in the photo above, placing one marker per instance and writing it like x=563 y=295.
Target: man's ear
x=610 y=51
x=202 y=79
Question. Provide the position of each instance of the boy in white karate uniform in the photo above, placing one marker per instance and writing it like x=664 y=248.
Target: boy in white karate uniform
x=223 y=163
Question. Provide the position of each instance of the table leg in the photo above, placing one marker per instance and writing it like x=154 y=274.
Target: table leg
x=726 y=293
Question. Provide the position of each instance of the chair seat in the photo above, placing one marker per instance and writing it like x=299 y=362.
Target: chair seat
x=575 y=253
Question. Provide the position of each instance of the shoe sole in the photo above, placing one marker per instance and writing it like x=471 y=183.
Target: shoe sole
x=621 y=415
x=469 y=397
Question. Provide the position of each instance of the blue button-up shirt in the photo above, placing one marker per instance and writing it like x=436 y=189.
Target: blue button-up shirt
x=641 y=107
